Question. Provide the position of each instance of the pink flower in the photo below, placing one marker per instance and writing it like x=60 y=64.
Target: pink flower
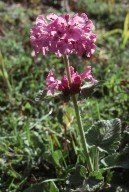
x=52 y=83
x=63 y=35
x=63 y=85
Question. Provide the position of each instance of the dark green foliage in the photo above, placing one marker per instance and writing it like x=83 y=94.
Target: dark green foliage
x=117 y=160
x=105 y=134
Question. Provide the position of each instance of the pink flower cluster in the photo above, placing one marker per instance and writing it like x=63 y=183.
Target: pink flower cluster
x=63 y=85
x=63 y=35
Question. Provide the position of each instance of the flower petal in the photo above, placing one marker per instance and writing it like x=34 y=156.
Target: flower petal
x=52 y=83
x=86 y=73
x=52 y=17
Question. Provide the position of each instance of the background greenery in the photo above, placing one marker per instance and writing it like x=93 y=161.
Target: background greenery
x=39 y=140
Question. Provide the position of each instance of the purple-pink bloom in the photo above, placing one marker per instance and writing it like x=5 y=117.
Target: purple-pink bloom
x=52 y=83
x=63 y=35
x=63 y=84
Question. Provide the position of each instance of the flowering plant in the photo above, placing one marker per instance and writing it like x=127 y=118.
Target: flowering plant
x=64 y=35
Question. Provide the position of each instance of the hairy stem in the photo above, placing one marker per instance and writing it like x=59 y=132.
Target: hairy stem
x=67 y=68
x=96 y=159
x=79 y=121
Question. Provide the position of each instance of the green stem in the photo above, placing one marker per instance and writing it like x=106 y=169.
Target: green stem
x=79 y=121
x=96 y=159
x=67 y=67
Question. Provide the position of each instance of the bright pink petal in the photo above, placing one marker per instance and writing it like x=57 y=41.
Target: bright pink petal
x=67 y=17
x=44 y=50
x=41 y=21
x=84 y=16
x=72 y=70
x=77 y=80
x=65 y=82
x=52 y=83
x=64 y=47
x=52 y=17
x=86 y=72
x=90 y=49
x=73 y=34
x=79 y=48
x=78 y=20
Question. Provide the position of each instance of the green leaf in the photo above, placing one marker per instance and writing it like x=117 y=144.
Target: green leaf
x=28 y=106
x=36 y=139
x=87 y=90
x=126 y=23
x=76 y=176
x=44 y=96
x=67 y=119
x=43 y=187
x=125 y=139
x=112 y=32
x=117 y=160
x=105 y=134
x=14 y=173
x=91 y=184
x=97 y=174
x=57 y=156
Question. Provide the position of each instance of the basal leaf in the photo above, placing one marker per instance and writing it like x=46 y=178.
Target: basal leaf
x=91 y=184
x=77 y=176
x=105 y=134
x=117 y=160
